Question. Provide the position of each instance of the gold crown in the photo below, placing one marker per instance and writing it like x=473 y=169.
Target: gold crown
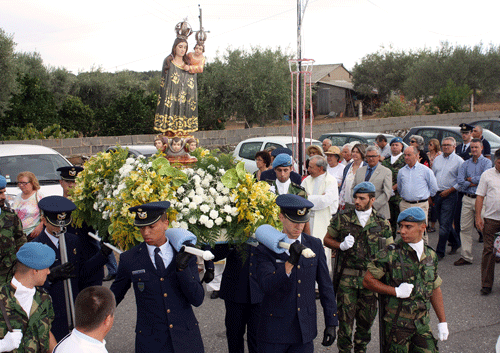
x=183 y=30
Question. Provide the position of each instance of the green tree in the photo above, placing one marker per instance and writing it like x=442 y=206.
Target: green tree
x=75 y=115
x=8 y=82
x=451 y=99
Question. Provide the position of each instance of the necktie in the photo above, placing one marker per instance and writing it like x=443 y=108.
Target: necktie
x=160 y=266
x=464 y=148
x=369 y=174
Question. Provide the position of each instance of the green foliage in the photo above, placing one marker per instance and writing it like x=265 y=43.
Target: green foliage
x=29 y=132
x=8 y=83
x=395 y=107
x=76 y=115
x=451 y=99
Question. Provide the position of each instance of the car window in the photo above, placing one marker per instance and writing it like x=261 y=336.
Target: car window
x=495 y=127
x=484 y=124
x=338 y=140
x=44 y=166
x=457 y=137
x=428 y=134
x=307 y=144
x=370 y=141
x=493 y=139
x=272 y=144
x=249 y=149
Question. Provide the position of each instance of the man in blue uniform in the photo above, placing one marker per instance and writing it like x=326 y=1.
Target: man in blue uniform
x=56 y=215
x=288 y=313
x=166 y=283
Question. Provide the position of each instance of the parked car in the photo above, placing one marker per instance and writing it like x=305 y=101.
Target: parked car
x=41 y=161
x=440 y=132
x=493 y=125
x=136 y=150
x=246 y=150
x=341 y=138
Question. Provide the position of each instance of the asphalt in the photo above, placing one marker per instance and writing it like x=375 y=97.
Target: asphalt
x=473 y=319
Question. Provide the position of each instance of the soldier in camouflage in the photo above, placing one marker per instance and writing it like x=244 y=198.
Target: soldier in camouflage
x=359 y=234
x=27 y=312
x=11 y=235
x=282 y=165
x=395 y=162
x=406 y=273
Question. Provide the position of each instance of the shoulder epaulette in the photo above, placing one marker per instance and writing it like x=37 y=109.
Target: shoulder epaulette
x=427 y=245
x=298 y=186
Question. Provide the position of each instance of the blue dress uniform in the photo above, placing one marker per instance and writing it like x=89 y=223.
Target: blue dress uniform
x=242 y=295
x=288 y=314
x=85 y=270
x=165 y=318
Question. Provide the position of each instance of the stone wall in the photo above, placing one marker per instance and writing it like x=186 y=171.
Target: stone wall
x=88 y=146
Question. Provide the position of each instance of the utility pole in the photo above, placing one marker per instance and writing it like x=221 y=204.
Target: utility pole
x=300 y=140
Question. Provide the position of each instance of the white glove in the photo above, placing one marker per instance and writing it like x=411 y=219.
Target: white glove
x=404 y=290
x=443 y=331
x=11 y=341
x=347 y=243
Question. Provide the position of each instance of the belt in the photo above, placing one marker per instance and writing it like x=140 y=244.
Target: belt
x=409 y=316
x=472 y=196
x=414 y=202
x=353 y=272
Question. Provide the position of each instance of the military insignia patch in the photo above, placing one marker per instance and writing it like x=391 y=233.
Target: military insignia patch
x=140 y=286
x=142 y=215
x=61 y=216
x=72 y=172
x=74 y=251
x=302 y=212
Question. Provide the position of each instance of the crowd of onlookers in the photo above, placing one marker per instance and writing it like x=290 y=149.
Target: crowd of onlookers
x=447 y=182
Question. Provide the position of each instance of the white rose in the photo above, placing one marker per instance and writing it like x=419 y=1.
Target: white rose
x=185 y=211
x=209 y=177
x=219 y=186
x=219 y=200
x=204 y=219
x=225 y=191
x=130 y=160
x=191 y=194
x=222 y=171
x=212 y=191
x=228 y=219
x=183 y=225
x=218 y=221
x=205 y=183
x=209 y=223
x=180 y=190
x=227 y=209
x=204 y=208
x=193 y=206
x=196 y=179
x=179 y=216
x=198 y=199
x=185 y=201
x=200 y=172
x=192 y=220
x=214 y=214
x=200 y=191
x=234 y=211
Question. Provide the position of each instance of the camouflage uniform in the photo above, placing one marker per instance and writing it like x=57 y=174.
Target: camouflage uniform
x=35 y=329
x=396 y=199
x=393 y=266
x=11 y=239
x=353 y=300
x=294 y=189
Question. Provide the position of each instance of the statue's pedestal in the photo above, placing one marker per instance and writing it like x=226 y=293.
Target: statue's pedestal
x=186 y=160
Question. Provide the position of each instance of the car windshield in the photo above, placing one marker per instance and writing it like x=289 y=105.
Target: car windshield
x=307 y=143
x=492 y=138
x=44 y=166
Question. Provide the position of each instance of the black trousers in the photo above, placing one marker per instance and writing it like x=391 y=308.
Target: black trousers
x=241 y=317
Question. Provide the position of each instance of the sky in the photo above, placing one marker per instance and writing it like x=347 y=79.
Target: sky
x=137 y=35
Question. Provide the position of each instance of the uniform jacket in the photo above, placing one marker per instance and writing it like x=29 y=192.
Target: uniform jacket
x=11 y=239
x=36 y=328
x=270 y=175
x=322 y=216
x=465 y=155
x=163 y=304
x=382 y=179
x=239 y=279
x=288 y=312
x=294 y=189
x=394 y=168
x=84 y=271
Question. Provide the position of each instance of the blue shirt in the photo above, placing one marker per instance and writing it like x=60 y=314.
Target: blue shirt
x=368 y=170
x=416 y=183
x=446 y=170
x=472 y=170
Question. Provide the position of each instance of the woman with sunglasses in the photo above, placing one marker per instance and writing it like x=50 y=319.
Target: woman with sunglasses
x=25 y=204
x=418 y=141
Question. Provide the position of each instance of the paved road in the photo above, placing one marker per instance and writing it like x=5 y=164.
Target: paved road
x=473 y=320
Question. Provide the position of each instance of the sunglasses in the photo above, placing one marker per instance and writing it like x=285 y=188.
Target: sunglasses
x=23 y=183
x=413 y=141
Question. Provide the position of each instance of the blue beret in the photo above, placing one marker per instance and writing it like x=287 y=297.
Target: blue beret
x=69 y=172
x=3 y=182
x=363 y=188
x=466 y=127
x=412 y=214
x=282 y=160
x=277 y=151
x=396 y=139
x=36 y=255
x=294 y=207
x=57 y=210
x=149 y=213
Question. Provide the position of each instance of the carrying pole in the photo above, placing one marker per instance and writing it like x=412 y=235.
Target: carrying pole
x=68 y=292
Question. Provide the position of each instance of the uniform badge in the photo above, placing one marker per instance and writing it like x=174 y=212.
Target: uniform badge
x=61 y=216
x=302 y=211
x=74 y=251
x=72 y=172
x=142 y=215
x=140 y=286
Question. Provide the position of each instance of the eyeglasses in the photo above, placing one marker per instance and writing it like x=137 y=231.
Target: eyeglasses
x=446 y=145
x=413 y=141
x=375 y=156
x=23 y=183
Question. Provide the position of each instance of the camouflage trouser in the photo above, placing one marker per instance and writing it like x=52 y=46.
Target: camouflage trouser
x=355 y=303
x=410 y=335
x=394 y=208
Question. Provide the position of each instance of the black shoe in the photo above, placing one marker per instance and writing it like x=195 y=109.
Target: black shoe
x=453 y=250
x=462 y=262
x=485 y=290
x=109 y=278
x=440 y=257
x=214 y=295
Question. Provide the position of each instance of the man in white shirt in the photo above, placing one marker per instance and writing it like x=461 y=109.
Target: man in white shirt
x=322 y=190
x=346 y=153
x=94 y=316
x=488 y=194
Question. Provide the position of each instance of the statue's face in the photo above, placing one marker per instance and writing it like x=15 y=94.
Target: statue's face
x=192 y=146
x=176 y=146
x=198 y=50
x=180 y=49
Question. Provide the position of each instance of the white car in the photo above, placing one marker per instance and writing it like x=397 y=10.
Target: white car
x=41 y=161
x=246 y=150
